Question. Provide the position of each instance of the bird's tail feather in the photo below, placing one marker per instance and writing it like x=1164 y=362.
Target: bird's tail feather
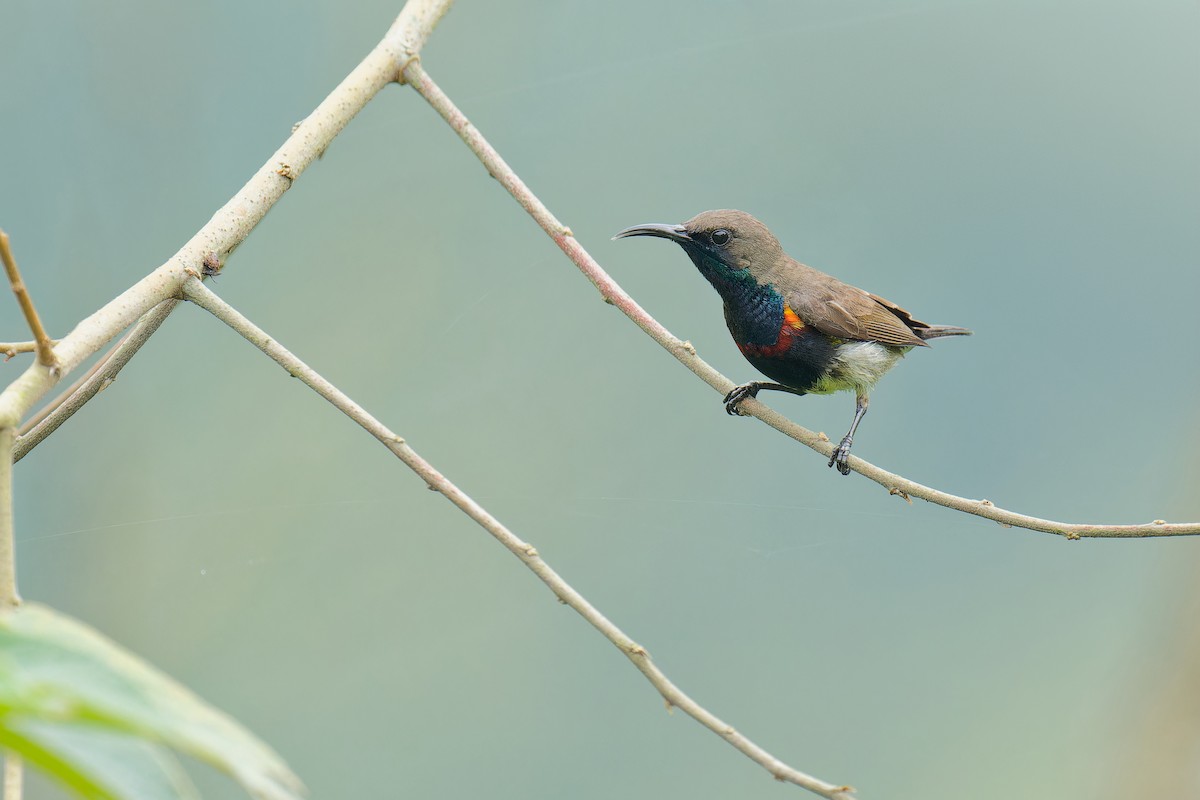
x=934 y=331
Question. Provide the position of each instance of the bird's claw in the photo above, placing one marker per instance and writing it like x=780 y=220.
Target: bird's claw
x=841 y=456
x=736 y=396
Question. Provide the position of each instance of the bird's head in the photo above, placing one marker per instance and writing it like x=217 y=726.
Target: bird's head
x=724 y=245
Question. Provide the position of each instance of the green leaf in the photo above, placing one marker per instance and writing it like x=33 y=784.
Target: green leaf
x=56 y=672
x=97 y=762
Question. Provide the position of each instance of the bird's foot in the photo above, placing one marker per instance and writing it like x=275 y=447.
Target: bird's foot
x=841 y=456
x=739 y=394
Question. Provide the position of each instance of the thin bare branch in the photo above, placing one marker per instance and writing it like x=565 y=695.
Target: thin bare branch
x=42 y=343
x=612 y=293
x=94 y=381
x=199 y=294
x=234 y=221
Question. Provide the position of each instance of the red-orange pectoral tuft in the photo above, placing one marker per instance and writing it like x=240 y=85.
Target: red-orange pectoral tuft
x=789 y=329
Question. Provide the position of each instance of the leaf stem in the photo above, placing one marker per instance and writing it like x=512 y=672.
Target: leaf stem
x=8 y=572
x=14 y=776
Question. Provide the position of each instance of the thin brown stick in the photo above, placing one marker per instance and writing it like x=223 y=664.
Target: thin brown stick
x=94 y=381
x=610 y=290
x=10 y=349
x=42 y=342
x=199 y=294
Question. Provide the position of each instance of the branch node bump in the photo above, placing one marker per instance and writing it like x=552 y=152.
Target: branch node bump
x=413 y=58
x=895 y=490
x=1160 y=522
x=986 y=502
x=1072 y=536
x=531 y=551
x=285 y=171
x=684 y=346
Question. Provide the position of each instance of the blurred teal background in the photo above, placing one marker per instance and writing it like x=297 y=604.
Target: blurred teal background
x=1030 y=170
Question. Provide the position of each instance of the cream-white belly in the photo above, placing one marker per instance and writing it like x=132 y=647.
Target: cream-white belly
x=857 y=366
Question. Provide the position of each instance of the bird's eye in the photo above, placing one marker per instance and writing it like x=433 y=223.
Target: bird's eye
x=720 y=237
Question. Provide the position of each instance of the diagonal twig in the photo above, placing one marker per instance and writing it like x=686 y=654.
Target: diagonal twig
x=91 y=383
x=415 y=76
x=42 y=342
x=101 y=363
x=200 y=294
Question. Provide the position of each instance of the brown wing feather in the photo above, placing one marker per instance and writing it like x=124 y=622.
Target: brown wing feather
x=844 y=312
x=913 y=324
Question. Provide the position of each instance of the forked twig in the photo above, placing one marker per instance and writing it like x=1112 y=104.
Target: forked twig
x=10 y=349
x=42 y=342
x=200 y=294
x=415 y=76
x=232 y=223
x=92 y=382
x=154 y=293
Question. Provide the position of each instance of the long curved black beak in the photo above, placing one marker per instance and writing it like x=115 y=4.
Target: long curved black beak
x=676 y=233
